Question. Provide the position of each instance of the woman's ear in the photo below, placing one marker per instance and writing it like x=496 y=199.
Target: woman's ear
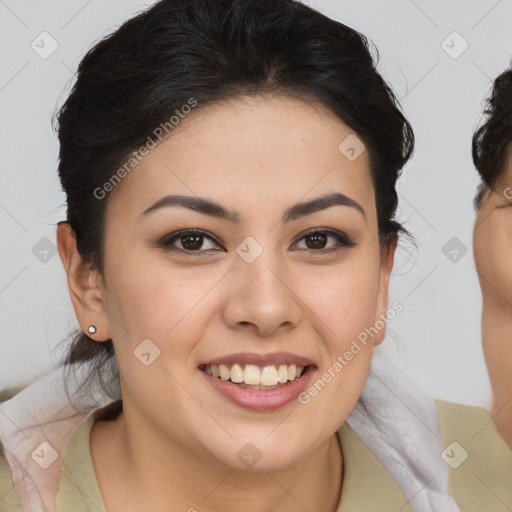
x=387 y=259
x=85 y=286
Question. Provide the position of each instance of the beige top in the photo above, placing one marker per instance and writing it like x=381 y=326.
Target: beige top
x=481 y=482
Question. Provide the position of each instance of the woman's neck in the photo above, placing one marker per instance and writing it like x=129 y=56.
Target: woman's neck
x=139 y=473
x=497 y=346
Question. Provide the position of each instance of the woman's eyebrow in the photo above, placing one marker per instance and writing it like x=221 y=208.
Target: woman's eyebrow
x=214 y=209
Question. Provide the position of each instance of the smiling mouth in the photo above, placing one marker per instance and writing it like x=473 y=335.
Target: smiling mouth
x=249 y=376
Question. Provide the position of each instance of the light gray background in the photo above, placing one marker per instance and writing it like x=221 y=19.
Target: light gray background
x=435 y=339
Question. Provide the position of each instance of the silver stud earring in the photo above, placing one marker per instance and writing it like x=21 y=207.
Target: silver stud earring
x=92 y=329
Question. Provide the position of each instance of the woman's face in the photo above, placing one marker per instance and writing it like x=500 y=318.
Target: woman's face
x=245 y=291
x=492 y=241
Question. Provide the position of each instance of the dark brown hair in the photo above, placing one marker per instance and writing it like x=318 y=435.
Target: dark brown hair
x=491 y=140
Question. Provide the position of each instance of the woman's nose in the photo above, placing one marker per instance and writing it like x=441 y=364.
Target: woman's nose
x=261 y=293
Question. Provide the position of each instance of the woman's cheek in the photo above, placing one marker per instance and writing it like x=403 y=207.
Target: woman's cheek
x=346 y=310
x=492 y=246
x=498 y=264
x=152 y=298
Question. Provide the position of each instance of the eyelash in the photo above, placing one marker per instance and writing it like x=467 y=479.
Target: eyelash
x=167 y=241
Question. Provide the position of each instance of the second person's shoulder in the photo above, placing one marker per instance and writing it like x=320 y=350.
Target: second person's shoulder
x=479 y=461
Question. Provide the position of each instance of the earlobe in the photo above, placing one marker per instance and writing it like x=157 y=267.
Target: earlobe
x=84 y=284
x=387 y=260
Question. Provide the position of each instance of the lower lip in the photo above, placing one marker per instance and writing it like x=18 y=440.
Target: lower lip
x=259 y=400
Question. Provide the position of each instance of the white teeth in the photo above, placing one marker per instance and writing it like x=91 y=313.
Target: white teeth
x=237 y=374
x=252 y=375
x=282 y=374
x=269 y=376
x=224 y=372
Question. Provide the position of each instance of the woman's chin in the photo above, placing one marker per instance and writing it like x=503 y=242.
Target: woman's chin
x=257 y=454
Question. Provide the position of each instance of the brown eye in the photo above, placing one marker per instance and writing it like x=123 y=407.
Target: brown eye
x=189 y=241
x=316 y=241
x=193 y=241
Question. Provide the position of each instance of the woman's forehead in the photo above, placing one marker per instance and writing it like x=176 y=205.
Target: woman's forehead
x=258 y=150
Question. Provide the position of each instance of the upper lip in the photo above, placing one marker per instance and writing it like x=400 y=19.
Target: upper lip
x=275 y=358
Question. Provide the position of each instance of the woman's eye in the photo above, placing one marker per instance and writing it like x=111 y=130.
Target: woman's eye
x=317 y=241
x=187 y=241
x=191 y=241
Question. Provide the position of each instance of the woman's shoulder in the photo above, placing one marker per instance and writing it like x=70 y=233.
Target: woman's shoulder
x=75 y=456
x=79 y=478
x=478 y=458
x=9 y=501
